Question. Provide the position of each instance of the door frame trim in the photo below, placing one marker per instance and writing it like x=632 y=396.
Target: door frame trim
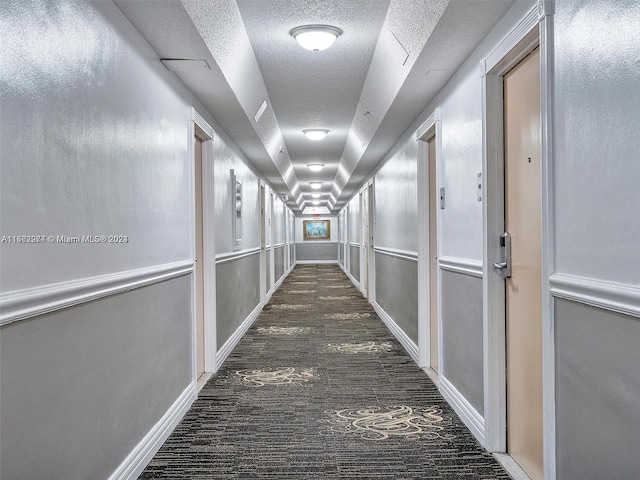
x=199 y=127
x=430 y=128
x=272 y=246
x=371 y=256
x=364 y=260
x=262 y=199
x=535 y=29
x=367 y=262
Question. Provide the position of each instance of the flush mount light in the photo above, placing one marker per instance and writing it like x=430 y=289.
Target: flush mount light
x=315 y=37
x=315 y=185
x=315 y=133
x=316 y=195
x=315 y=202
x=315 y=167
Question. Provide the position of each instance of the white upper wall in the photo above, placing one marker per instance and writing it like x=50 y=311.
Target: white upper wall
x=94 y=142
x=226 y=157
x=354 y=225
x=460 y=162
x=396 y=199
x=279 y=220
x=597 y=144
x=460 y=110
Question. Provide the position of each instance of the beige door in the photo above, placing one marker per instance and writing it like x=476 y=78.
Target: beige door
x=523 y=211
x=433 y=256
x=199 y=262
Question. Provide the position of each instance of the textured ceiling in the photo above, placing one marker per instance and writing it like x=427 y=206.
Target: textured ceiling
x=314 y=89
x=367 y=89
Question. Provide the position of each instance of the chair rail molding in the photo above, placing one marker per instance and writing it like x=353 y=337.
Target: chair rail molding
x=611 y=296
x=465 y=266
x=396 y=253
x=237 y=255
x=27 y=303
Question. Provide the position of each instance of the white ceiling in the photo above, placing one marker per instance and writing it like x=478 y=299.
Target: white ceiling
x=367 y=89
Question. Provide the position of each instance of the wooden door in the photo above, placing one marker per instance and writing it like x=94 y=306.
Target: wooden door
x=523 y=214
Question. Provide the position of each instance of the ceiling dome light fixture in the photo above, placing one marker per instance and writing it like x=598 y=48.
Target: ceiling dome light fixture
x=316 y=202
x=315 y=167
x=316 y=195
x=315 y=185
x=315 y=133
x=315 y=37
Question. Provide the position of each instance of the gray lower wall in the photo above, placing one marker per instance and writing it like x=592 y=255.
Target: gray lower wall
x=354 y=262
x=238 y=294
x=81 y=386
x=309 y=251
x=267 y=270
x=597 y=393
x=279 y=262
x=341 y=254
x=397 y=291
x=462 y=335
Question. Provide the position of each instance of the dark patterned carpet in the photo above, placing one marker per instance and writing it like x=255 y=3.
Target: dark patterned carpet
x=319 y=388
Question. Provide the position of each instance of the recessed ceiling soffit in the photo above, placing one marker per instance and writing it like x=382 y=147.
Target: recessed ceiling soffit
x=221 y=27
x=403 y=35
x=391 y=60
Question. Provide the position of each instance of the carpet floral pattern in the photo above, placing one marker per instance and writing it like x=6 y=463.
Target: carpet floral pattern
x=318 y=388
x=276 y=376
x=375 y=423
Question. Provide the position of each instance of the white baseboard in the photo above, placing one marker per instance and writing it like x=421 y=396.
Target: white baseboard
x=141 y=455
x=204 y=378
x=316 y=262
x=433 y=376
x=230 y=344
x=355 y=282
x=279 y=282
x=469 y=415
x=407 y=343
x=511 y=466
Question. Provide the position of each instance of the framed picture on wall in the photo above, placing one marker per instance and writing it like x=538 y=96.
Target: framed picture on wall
x=316 y=229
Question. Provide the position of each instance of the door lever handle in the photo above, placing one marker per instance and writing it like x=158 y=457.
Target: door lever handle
x=504 y=268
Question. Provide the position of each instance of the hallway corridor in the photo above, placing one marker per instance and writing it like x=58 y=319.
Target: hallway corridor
x=298 y=399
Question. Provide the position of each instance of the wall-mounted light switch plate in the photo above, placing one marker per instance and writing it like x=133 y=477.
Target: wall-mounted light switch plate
x=441 y=198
